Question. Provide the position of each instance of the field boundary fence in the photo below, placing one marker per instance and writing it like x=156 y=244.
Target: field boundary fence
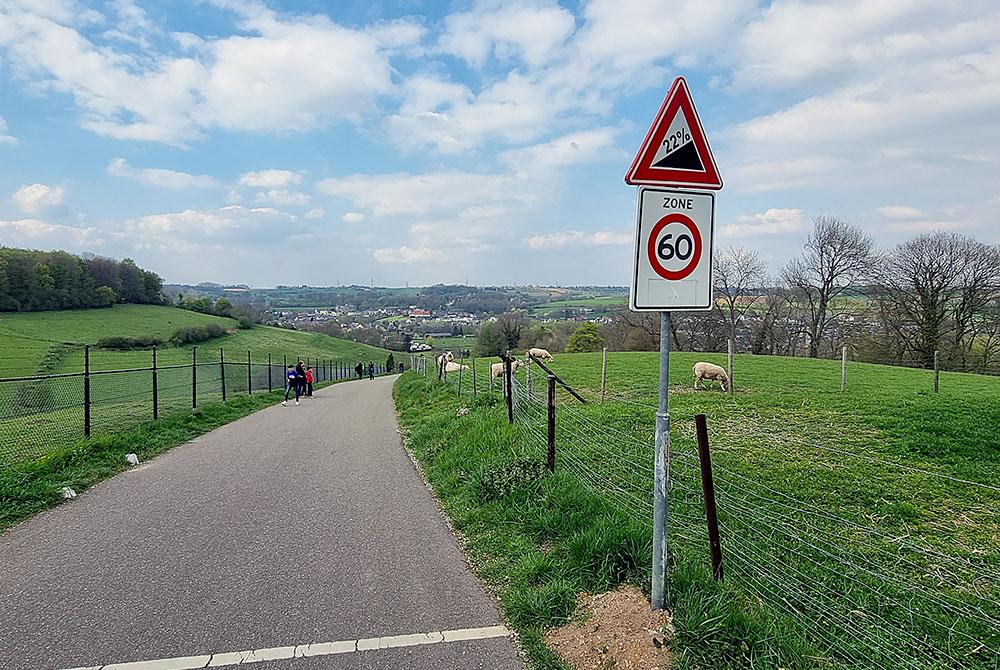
x=827 y=539
x=42 y=413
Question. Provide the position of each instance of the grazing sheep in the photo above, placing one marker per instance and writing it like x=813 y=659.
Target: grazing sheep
x=446 y=357
x=496 y=370
x=704 y=371
x=452 y=366
x=540 y=353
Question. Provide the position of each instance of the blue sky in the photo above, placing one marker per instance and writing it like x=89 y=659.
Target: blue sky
x=486 y=141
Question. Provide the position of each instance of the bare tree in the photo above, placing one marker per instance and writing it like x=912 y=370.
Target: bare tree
x=837 y=256
x=739 y=276
x=938 y=281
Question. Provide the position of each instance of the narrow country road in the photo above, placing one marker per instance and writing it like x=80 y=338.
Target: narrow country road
x=299 y=537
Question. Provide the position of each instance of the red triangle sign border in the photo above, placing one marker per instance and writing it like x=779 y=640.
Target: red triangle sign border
x=643 y=172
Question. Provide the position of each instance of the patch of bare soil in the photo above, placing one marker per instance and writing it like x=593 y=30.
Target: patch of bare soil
x=616 y=630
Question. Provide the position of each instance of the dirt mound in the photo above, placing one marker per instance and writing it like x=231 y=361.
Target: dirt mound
x=614 y=630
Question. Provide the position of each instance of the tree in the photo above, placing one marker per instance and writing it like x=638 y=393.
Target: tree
x=223 y=307
x=585 y=338
x=390 y=363
x=511 y=325
x=740 y=274
x=491 y=341
x=938 y=282
x=106 y=295
x=837 y=256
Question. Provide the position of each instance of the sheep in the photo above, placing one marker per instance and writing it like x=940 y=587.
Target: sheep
x=496 y=370
x=704 y=371
x=446 y=357
x=452 y=366
x=539 y=353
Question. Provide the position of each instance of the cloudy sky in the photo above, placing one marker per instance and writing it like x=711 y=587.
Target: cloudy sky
x=303 y=141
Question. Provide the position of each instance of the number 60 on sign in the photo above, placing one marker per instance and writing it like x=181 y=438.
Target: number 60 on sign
x=673 y=259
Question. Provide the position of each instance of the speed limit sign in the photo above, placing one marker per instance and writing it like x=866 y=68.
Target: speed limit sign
x=673 y=256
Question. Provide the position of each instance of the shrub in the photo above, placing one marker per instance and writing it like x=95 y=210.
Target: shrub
x=123 y=343
x=196 y=334
x=501 y=480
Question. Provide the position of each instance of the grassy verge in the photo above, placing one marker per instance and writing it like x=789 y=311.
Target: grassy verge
x=33 y=486
x=537 y=540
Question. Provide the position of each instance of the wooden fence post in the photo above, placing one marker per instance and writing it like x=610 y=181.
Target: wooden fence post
x=843 y=369
x=86 y=391
x=732 y=361
x=937 y=371
x=222 y=369
x=552 y=423
x=156 y=390
x=508 y=387
x=708 y=490
x=269 y=388
x=473 y=376
x=604 y=373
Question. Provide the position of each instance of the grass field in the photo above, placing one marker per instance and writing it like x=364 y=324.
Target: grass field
x=46 y=342
x=859 y=530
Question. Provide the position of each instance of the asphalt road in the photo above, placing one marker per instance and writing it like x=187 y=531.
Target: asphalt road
x=293 y=526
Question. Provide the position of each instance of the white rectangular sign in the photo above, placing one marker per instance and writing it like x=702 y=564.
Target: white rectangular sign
x=673 y=250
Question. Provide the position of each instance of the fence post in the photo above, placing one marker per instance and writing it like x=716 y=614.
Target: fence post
x=249 y=374
x=222 y=368
x=708 y=490
x=843 y=368
x=194 y=377
x=527 y=375
x=460 y=366
x=473 y=376
x=269 y=389
x=937 y=371
x=661 y=476
x=604 y=373
x=552 y=424
x=732 y=361
x=86 y=391
x=156 y=394
x=508 y=386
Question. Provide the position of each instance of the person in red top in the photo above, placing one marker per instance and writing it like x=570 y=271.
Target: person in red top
x=309 y=382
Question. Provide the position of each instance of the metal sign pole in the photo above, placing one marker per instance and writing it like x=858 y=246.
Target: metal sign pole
x=661 y=475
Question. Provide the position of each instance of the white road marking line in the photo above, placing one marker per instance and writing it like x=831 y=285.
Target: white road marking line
x=315 y=649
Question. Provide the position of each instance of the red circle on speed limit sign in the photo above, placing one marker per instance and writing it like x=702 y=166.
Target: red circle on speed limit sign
x=685 y=247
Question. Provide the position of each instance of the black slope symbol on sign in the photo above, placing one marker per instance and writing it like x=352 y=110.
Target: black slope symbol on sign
x=682 y=158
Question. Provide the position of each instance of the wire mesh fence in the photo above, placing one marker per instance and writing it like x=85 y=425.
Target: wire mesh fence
x=871 y=560
x=41 y=413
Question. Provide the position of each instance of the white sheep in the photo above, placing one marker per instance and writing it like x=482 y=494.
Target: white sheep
x=496 y=369
x=704 y=371
x=452 y=366
x=446 y=357
x=539 y=353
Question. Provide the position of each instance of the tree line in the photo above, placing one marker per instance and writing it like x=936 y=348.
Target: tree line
x=46 y=280
x=937 y=291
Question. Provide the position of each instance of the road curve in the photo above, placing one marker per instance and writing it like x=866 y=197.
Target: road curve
x=287 y=530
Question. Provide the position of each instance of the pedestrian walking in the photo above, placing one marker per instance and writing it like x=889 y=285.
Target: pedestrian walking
x=359 y=369
x=401 y=367
x=291 y=384
x=371 y=370
x=310 y=378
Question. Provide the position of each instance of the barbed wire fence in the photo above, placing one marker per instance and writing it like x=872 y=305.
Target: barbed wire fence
x=872 y=561
x=40 y=413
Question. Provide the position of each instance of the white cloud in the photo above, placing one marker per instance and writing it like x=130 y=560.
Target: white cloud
x=277 y=73
x=270 y=179
x=5 y=137
x=234 y=220
x=577 y=238
x=900 y=212
x=353 y=217
x=405 y=193
x=407 y=254
x=280 y=196
x=36 y=198
x=160 y=178
x=315 y=213
x=586 y=146
x=774 y=221
x=32 y=232
x=527 y=29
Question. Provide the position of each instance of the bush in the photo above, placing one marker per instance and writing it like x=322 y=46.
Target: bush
x=127 y=343
x=106 y=296
x=196 y=334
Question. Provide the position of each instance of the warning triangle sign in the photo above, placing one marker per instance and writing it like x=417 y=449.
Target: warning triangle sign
x=675 y=151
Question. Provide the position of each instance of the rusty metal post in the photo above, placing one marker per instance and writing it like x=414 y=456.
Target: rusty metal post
x=508 y=387
x=86 y=391
x=222 y=369
x=552 y=424
x=194 y=377
x=156 y=390
x=708 y=489
x=604 y=373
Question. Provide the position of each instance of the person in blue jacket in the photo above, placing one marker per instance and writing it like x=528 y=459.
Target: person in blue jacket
x=291 y=384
